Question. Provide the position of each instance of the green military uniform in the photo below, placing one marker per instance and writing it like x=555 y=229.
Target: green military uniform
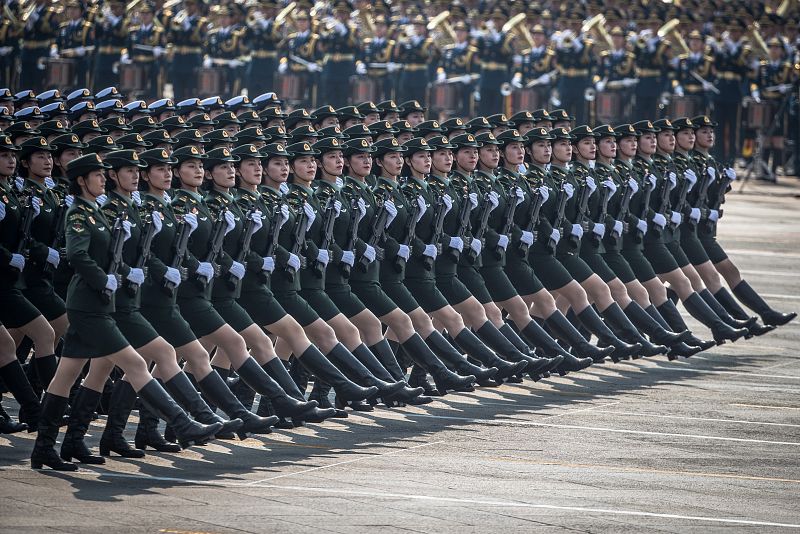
x=592 y=247
x=655 y=248
x=568 y=250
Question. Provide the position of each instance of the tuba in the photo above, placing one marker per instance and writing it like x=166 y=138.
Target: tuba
x=597 y=24
x=760 y=47
x=517 y=25
x=670 y=29
x=448 y=36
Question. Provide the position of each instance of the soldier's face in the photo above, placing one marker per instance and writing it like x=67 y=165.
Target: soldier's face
x=647 y=144
x=392 y=164
x=278 y=169
x=39 y=164
x=250 y=171
x=587 y=149
x=467 y=158
x=190 y=173
x=775 y=53
x=608 y=148
x=304 y=168
x=705 y=138
x=514 y=153
x=391 y=117
x=93 y=184
x=223 y=175
x=351 y=122
x=126 y=178
x=372 y=118
x=159 y=177
x=541 y=152
x=696 y=45
x=404 y=137
x=328 y=121
x=539 y=39
x=627 y=147
x=562 y=151
x=380 y=30
x=8 y=163
x=685 y=139
x=420 y=162
x=442 y=161
x=618 y=41
x=489 y=156
x=67 y=156
x=562 y=124
x=525 y=127
x=360 y=164
x=301 y=24
x=333 y=163
x=498 y=130
x=666 y=141
x=146 y=17
x=118 y=9
x=415 y=117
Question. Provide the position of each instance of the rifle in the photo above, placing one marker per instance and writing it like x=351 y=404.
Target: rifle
x=463 y=223
x=724 y=183
x=605 y=195
x=559 y=220
x=376 y=236
x=298 y=242
x=483 y=220
x=117 y=243
x=181 y=244
x=583 y=204
x=532 y=218
x=217 y=239
x=352 y=233
x=702 y=195
x=26 y=239
x=438 y=227
x=145 y=242
x=244 y=248
x=624 y=209
x=682 y=192
x=411 y=229
x=328 y=223
x=59 y=233
x=648 y=192
x=663 y=200
x=508 y=222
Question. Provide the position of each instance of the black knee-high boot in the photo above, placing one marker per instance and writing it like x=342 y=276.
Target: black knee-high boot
x=45 y=369
x=276 y=370
x=313 y=360
x=669 y=312
x=369 y=359
x=698 y=309
x=242 y=421
x=658 y=334
x=621 y=325
x=753 y=300
x=17 y=383
x=450 y=355
x=538 y=336
x=44 y=452
x=495 y=339
x=595 y=324
x=727 y=301
x=80 y=415
x=566 y=331
x=354 y=368
x=678 y=349
x=148 y=434
x=7 y=423
x=723 y=314
x=423 y=356
x=386 y=356
x=123 y=398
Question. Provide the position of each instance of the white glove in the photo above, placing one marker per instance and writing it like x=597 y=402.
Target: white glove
x=457 y=243
x=340 y=28
x=600 y=86
x=465 y=79
x=53 y=257
x=569 y=189
x=235 y=63
x=599 y=230
x=708 y=86
x=283 y=67
x=555 y=235
x=157 y=222
x=101 y=200
x=678 y=91
x=502 y=242
x=2 y=211
x=527 y=237
x=126 y=228
x=652 y=179
x=349 y=257
x=237 y=270
x=675 y=218
x=691 y=177
x=473 y=200
x=207 y=63
x=391 y=210
x=618 y=227
x=310 y=215
x=191 y=220
x=476 y=246
x=642 y=226
x=323 y=256
x=633 y=184
x=337 y=207
x=111 y=282
x=393 y=67
x=544 y=193
x=730 y=173
x=694 y=214
x=313 y=67
x=713 y=215
x=362 y=208
x=284 y=214
x=268 y=264
x=612 y=187
x=206 y=270
x=137 y=198
x=5 y=50
x=577 y=231
x=136 y=276
x=673 y=180
x=590 y=183
x=125 y=59
x=158 y=51
x=230 y=222
x=36 y=204
x=361 y=69
x=173 y=275
x=712 y=174
x=69 y=199
x=369 y=253
x=441 y=76
x=258 y=222
x=404 y=252
x=49 y=183
x=755 y=94
x=187 y=24
x=520 y=194
x=293 y=262
x=659 y=220
x=516 y=81
x=544 y=79
x=423 y=207
x=53 y=51
x=448 y=203
x=430 y=251
x=494 y=200
x=17 y=261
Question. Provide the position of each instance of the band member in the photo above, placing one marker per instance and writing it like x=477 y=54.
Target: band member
x=224 y=47
x=731 y=59
x=300 y=55
x=652 y=61
x=186 y=35
x=575 y=59
x=417 y=52
x=111 y=35
x=616 y=75
x=74 y=37
x=538 y=68
x=496 y=49
x=40 y=27
x=376 y=59
x=458 y=65
x=692 y=66
x=339 y=44
x=146 y=46
x=262 y=38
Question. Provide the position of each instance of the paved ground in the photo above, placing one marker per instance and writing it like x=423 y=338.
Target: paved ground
x=709 y=444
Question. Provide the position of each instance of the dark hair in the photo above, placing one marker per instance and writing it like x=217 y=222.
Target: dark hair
x=74 y=187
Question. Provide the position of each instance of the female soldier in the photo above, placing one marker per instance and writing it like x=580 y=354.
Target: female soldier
x=92 y=333
x=707 y=228
x=287 y=282
x=655 y=248
x=205 y=254
x=366 y=279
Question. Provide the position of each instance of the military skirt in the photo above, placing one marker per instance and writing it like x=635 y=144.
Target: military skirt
x=262 y=306
x=345 y=300
x=659 y=257
x=170 y=324
x=598 y=265
x=16 y=310
x=92 y=335
x=521 y=274
x=474 y=282
x=426 y=293
x=638 y=263
x=576 y=267
x=497 y=283
x=201 y=315
x=232 y=313
x=136 y=329
x=677 y=252
x=372 y=294
x=46 y=300
x=550 y=271
x=320 y=302
x=297 y=307
x=617 y=263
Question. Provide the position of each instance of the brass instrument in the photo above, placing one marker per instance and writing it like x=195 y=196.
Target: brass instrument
x=517 y=24
x=783 y=8
x=364 y=17
x=441 y=20
x=286 y=13
x=671 y=29
x=758 y=41
x=598 y=24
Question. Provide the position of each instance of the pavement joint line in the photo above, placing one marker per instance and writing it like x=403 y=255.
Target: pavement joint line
x=766 y=406
x=690 y=418
x=783 y=364
x=788 y=274
x=717 y=372
x=756 y=252
x=780 y=296
x=604 y=429
x=336 y=464
x=647 y=470
x=570 y=412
